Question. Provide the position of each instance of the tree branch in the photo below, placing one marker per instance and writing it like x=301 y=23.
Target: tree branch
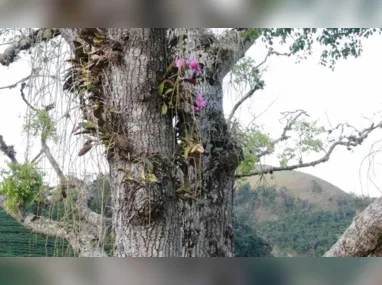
x=241 y=101
x=88 y=215
x=82 y=242
x=15 y=84
x=83 y=201
x=292 y=167
x=26 y=43
x=37 y=156
x=254 y=89
x=23 y=96
x=8 y=150
x=53 y=162
x=70 y=182
x=363 y=237
x=283 y=136
x=234 y=47
x=348 y=141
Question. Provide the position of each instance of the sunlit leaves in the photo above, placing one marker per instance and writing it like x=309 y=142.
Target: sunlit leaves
x=301 y=138
x=305 y=138
x=338 y=43
x=245 y=73
x=254 y=142
x=251 y=34
x=42 y=125
x=22 y=184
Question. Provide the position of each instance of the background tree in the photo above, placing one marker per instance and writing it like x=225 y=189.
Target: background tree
x=149 y=103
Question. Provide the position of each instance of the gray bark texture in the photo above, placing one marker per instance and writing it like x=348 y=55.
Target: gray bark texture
x=152 y=219
x=363 y=238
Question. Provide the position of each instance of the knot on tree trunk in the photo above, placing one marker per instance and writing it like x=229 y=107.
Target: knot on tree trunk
x=147 y=205
x=224 y=149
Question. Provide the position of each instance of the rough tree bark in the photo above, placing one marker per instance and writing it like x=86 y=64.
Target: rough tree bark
x=363 y=238
x=152 y=219
x=157 y=218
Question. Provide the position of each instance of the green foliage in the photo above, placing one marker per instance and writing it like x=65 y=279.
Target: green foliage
x=248 y=243
x=251 y=34
x=304 y=138
x=245 y=72
x=42 y=125
x=254 y=142
x=338 y=43
x=299 y=227
x=23 y=185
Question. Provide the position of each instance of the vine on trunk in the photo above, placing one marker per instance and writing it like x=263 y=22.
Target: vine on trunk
x=93 y=51
x=178 y=91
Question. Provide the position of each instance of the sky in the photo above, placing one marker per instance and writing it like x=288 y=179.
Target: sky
x=347 y=94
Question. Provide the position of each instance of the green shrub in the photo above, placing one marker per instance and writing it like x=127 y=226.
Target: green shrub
x=22 y=184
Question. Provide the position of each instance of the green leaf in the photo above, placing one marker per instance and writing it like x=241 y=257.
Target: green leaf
x=149 y=164
x=186 y=152
x=164 y=109
x=168 y=91
x=152 y=178
x=161 y=88
x=88 y=124
x=172 y=64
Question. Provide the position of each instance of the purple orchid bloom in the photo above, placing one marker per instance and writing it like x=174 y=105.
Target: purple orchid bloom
x=180 y=64
x=194 y=65
x=200 y=102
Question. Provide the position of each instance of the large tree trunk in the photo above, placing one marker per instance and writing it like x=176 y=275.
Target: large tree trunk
x=154 y=219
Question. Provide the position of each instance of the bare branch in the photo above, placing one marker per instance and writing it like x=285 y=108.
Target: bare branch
x=292 y=167
x=257 y=87
x=37 y=156
x=53 y=162
x=8 y=150
x=348 y=141
x=263 y=112
x=270 y=52
x=290 y=123
x=245 y=97
x=23 y=96
x=26 y=43
x=15 y=84
x=287 y=128
x=84 y=199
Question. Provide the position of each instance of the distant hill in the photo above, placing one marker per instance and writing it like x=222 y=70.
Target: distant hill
x=300 y=185
x=289 y=213
x=298 y=213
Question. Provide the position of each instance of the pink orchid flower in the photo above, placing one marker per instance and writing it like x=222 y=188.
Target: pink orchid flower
x=180 y=63
x=194 y=65
x=200 y=102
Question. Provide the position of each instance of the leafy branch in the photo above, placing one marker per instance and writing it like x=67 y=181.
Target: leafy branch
x=348 y=141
